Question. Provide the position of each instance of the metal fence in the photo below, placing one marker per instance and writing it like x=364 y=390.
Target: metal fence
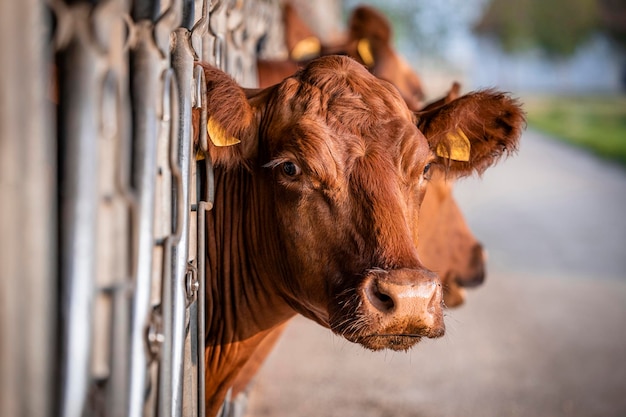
x=104 y=196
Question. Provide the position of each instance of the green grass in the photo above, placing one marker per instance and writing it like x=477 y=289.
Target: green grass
x=597 y=123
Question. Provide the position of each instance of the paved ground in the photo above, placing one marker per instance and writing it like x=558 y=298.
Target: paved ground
x=545 y=336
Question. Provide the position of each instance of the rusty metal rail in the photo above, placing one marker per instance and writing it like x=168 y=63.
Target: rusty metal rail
x=104 y=199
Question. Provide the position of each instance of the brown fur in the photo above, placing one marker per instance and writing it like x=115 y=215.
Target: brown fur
x=274 y=71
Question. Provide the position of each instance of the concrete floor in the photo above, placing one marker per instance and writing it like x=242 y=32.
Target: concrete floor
x=544 y=336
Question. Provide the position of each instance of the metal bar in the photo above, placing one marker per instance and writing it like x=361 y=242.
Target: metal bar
x=115 y=257
x=174 y=311
x=200 y=28
x=170 y=372
x=162 y=367
x=190 y=365
x=206 y=203
x=27 y=215
x=204 y=181
x=191 y=357
x=146 y=67
x=201 y=307
x=217 y=29
x=167 y=173
x=80 y=70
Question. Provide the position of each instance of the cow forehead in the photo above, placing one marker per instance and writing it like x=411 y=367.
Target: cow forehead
x=344 y=92
x=336 y=103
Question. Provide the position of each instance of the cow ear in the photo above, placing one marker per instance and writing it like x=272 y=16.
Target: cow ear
x=370 y=40
x=302 y=43
x=368 y=23
x=231 y=119
x=369 y=34
x=450 y=96
x=473 y=132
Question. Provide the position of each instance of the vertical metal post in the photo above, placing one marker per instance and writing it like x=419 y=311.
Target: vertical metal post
x=170 y=366
x=147 y=67
x=28 y=270
x=167 y=233
x=95 y=204
x=174 y=299
x=80 y=67
x=205 y=203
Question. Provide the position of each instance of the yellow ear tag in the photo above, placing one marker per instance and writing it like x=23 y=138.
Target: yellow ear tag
x=458 y=144
x=218 y=135
x=307 y=48
x=364 y=49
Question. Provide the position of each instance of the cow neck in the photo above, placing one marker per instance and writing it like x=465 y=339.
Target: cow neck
x=243 y=260
x=243 y=305
x=223 y=365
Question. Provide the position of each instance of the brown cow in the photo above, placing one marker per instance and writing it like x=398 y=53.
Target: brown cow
x=452 y=250
x=368 y=40
x=446 y=246
x=316 y=209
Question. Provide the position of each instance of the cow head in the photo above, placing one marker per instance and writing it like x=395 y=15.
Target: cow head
x=458 y=257
x=368 y=40
x=344 y=165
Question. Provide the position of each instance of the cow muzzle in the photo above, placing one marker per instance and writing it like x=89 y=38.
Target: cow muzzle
x=473 y=275
x=399 y=307
x=475 y=271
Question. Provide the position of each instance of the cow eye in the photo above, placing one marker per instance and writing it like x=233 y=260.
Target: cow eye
x=426 y=169
x=290 y=169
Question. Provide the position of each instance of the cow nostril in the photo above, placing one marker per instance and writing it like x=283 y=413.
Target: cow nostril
x=384 y=299
x=381 y=301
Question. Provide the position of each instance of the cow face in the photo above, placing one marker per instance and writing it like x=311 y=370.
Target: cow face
x=350 y=187
x=453 y=251
x=345 y=169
